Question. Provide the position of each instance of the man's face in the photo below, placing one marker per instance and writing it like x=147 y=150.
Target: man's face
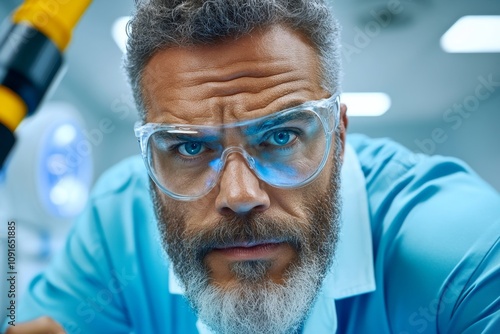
x=251 y=256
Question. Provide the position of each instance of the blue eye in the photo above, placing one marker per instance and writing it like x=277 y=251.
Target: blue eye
x=281 y=137
x=191 y=149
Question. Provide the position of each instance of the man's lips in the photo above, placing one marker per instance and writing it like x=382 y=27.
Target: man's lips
x=245 y=251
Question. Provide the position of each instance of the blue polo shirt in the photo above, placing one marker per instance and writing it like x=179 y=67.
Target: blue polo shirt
x=419 y=252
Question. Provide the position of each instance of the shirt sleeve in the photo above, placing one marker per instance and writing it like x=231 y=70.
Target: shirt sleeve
x=112 y=275
x=80 y=290
x=473 y=292
x=436 y=229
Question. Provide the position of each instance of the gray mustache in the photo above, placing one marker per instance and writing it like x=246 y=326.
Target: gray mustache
x=253 y=229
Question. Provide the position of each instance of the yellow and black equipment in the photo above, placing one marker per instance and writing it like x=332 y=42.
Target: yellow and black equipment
x=31 y=53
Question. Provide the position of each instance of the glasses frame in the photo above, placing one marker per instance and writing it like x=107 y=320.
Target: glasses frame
x=327 y=110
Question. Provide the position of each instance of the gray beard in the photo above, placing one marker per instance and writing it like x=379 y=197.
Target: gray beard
x=256 y=304
x=259 y=307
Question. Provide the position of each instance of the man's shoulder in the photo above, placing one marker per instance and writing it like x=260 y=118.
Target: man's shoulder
x=432 y=194
x=435 y=226
x=127 y=173
x=382 y=155
x=391 y=170
x=120 y=194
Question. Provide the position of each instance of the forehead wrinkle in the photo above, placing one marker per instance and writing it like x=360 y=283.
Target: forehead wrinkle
x=243 y=79
x=238 y=107
x=189 y=111
x=256 y=107
x=261 y=68
x=244 y=106
x=250 y=86
x=254 y=92
x=246 y=79
x=233 y=104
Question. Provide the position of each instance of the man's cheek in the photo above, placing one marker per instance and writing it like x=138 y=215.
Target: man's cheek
x=189 y=209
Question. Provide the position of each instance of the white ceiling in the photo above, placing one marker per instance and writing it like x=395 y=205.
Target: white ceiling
x=403 y=59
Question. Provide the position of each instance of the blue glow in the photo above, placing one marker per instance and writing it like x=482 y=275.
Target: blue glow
x=64 y=134
x=277 y=173
x=64 y=169
x=215 y=165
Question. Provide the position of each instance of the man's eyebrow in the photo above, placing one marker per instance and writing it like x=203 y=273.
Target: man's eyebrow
x=265 y=125
x=191 y=135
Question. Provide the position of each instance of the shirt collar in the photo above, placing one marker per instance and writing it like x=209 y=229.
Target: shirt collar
x=352 y=272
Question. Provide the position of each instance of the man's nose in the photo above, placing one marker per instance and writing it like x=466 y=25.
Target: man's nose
x=240 y=189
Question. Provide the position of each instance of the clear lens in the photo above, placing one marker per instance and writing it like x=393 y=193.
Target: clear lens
x=290 y=151
x=287 y=149
x=183 y=164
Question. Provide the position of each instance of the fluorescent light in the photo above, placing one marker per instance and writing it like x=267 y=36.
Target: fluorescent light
x=69 y=195
x=64 y=134
x=473 y=34
x=119 y=32
x=366 y=104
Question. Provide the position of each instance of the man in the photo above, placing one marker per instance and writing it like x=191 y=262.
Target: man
x=244 y=140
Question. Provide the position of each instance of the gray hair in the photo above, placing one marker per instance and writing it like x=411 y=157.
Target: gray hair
x=160 y=24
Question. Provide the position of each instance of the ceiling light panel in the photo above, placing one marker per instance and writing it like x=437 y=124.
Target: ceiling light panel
x=473 y=34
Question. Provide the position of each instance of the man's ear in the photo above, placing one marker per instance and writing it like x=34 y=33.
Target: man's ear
x=344 y=122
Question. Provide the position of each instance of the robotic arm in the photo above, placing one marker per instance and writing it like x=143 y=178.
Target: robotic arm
x=30 y=56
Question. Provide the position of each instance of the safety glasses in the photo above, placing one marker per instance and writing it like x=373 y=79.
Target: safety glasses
x=286 y=149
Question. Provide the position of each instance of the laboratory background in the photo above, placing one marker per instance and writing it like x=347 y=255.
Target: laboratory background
x=425 y=73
